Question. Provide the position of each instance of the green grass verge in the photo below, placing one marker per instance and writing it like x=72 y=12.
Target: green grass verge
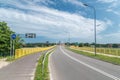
x=112 y=60
x=10 y=58
x=1 y=57
x=38 y=74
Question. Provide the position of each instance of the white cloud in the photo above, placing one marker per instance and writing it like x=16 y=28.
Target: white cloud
x=113 y=11
x=46 y=2
x=112 y=3
x=107 y=1
x=76 y=2
x=50 y=22
x=109 y=22
x=114 y=7
x=112 y=38
x=118 y=25
x=55 y=21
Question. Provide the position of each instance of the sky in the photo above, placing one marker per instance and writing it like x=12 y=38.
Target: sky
x=56 y=20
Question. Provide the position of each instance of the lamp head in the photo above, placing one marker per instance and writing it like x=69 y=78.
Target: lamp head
x=85 y=4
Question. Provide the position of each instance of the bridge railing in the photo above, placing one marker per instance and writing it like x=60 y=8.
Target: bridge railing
x=111 y=51
x=25 y=51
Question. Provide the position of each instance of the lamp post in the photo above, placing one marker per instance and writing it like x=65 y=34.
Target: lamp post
x=94 y=24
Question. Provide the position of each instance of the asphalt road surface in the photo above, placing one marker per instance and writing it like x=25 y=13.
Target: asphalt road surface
x=66 y=65
x=21 y=69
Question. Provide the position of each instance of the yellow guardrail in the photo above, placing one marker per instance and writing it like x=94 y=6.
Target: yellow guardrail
x=112 y=51
x=25 y=51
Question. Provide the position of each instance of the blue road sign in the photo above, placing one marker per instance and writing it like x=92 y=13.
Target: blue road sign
x=13 y=36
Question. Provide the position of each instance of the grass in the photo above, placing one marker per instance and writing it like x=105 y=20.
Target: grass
x=112 y=60
x=9 y=58
x=1 y=57
x=38 y=74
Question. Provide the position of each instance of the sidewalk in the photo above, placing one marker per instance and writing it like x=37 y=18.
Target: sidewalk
x=21 y=69
x=99 y=53
x=3 y=63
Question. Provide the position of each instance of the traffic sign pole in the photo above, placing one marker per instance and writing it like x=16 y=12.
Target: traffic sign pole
x=10 y=47
x=12 y=38
x=13 y=48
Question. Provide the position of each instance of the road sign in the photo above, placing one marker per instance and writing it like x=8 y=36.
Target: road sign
x=13 y=36
x=30 y=35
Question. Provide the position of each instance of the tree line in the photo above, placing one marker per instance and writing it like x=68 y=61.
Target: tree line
x=108 y=45
x=46 y=44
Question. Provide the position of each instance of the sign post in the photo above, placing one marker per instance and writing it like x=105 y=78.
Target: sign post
x=10 y=46
x=12 y=38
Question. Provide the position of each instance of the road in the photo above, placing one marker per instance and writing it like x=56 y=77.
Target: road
x=67 y=65
x=21 y=69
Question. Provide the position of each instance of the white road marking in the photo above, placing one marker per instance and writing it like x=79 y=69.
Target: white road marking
x=51 y=77
x=45 y=56
x=91 y=67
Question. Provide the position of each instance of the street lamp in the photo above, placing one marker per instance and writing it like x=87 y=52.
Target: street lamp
x=94 y=23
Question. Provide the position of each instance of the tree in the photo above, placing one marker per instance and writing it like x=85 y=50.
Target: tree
x=115 y=46
x=87 y=44
x=5 y=34
x=4 y=38
x=18 y=42
x=81 y=45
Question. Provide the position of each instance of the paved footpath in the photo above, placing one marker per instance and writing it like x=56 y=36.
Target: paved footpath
x=21 y=69
x=3 y=63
